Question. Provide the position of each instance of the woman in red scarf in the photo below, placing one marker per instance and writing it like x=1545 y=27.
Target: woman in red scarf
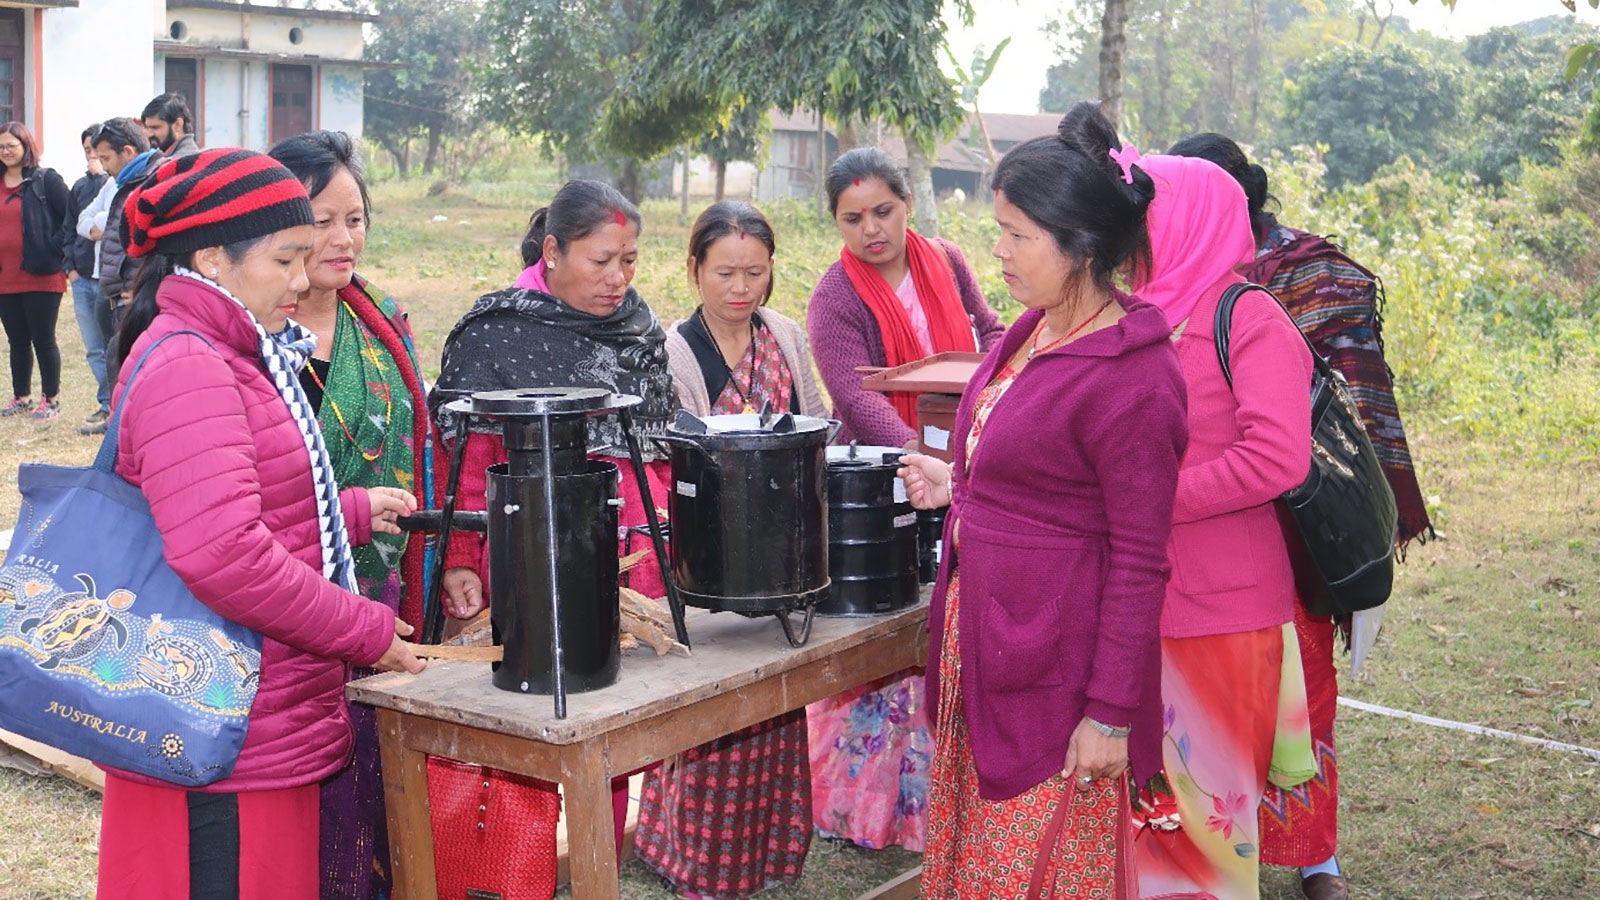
x=893 y=297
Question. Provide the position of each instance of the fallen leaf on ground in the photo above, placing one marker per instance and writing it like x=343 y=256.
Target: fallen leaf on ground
x=1488 y=809
x=1530 y=692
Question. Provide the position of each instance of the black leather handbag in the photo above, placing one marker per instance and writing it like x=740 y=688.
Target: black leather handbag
x=1344 y=511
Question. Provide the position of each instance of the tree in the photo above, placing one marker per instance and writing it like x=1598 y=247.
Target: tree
x=868 y=60
x=736 y=140
x=971 y=82
x=1113 y=42
x=552 y=67
x=1369 y=107
x=428 y=90
x=1521 y=107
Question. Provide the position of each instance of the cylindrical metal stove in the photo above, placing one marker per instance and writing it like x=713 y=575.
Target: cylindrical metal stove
x=586 y=564
x=930 y=543
x=748 y=513
x=552 y=530
x=872 y=533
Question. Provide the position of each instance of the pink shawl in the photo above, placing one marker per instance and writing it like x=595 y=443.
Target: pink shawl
x=532 y=279
x=1199 y=233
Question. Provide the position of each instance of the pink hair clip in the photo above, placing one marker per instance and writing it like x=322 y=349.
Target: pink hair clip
x=1127 y=158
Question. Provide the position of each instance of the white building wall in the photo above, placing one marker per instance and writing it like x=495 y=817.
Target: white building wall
x=95 y=63
x=269 y=33
x=339 y=105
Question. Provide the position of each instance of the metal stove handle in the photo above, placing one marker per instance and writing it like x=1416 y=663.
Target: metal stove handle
x=666 y=441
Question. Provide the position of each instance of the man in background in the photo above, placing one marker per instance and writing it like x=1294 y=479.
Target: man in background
x=169 y=124
x=126 y=153
x=83 y=255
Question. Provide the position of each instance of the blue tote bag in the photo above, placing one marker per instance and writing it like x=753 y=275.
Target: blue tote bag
x=104 y=652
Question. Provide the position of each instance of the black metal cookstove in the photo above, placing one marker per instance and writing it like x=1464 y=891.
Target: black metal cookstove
x=551 y=522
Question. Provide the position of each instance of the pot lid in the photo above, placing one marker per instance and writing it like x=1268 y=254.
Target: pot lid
x=543 y=401
x=861 y=455
x=746 y=424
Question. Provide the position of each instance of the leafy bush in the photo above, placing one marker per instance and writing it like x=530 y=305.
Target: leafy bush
x=1487 y=338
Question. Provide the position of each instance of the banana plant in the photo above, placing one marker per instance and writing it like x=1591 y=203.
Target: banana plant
x=971 y=81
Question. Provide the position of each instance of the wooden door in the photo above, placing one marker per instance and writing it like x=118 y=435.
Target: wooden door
x=11 y=64
x=291 y=101
x=183 y=77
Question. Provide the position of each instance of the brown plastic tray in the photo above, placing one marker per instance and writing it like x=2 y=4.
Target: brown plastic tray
x=941 y=373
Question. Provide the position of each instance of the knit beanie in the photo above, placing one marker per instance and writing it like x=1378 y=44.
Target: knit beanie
x=212 y=199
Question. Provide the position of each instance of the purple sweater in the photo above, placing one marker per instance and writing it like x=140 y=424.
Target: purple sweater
x=1063 y=548
x=845 y=335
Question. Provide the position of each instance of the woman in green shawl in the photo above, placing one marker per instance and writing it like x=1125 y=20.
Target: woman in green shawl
x=363 y=380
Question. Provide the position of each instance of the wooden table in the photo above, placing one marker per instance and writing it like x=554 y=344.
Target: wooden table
x=742 y=673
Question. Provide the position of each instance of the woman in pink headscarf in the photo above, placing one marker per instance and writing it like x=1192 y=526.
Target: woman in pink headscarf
x=1231 y=594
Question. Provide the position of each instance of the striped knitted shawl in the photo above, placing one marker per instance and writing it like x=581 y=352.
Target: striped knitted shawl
x=1338 y=304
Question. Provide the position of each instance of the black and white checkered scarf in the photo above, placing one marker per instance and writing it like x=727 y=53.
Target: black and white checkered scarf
x=284 y=355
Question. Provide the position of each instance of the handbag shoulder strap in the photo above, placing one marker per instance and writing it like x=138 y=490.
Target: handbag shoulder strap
x=1224 y=325
x=106 y=459
x=1066 y=813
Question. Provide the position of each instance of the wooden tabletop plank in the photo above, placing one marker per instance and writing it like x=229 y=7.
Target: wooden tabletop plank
x=730 y=652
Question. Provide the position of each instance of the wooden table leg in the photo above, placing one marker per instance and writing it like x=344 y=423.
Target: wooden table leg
x=405 y=796
x=591 y=835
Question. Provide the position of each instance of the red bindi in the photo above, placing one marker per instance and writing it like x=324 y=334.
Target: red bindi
x=621 y=219
x=858 y=182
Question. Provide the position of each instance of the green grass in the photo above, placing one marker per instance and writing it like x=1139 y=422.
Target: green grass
x=1496 y=624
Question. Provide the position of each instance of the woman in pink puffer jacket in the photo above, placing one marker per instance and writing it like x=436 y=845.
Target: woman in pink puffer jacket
x=213 y=435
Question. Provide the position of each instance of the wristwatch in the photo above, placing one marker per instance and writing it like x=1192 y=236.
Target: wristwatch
x=1109 y=730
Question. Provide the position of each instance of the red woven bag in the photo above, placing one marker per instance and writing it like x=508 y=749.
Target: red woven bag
x=494 y=833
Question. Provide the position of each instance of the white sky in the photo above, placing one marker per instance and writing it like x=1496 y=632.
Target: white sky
x=1015 y=85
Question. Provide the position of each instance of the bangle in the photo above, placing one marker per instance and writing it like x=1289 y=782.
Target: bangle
x=1110 y=731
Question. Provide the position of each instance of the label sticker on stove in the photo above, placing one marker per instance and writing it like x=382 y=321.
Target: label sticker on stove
x=905 y=521
x=900 y=492
x=687 y=490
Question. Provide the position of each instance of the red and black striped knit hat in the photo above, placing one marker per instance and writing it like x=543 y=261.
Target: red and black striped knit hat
x=212 y=199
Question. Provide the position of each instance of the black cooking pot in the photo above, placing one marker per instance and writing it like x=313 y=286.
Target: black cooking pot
x=872 y=533
x=748 y=511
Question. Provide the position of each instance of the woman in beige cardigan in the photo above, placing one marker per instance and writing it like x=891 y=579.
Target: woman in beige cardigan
x=732 y=355
x=733 y=817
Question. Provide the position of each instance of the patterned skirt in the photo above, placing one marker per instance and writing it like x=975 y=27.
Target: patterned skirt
x=1300 y=825
x=731 y=817
x=1222 y=713
x=870 y=754
x=980 y=848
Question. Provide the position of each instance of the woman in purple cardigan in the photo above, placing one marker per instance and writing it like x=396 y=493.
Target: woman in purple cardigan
x=1045 y=618
x=893 y=297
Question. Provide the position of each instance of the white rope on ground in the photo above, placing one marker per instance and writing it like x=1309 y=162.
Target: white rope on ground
x=1469 y=728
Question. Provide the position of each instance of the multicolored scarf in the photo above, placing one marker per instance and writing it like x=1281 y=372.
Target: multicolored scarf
x=367 y=423
x=375 y=423
x=934 y=279
x=1338 y=305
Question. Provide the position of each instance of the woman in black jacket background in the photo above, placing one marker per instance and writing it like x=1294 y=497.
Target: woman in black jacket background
x=33 y=263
